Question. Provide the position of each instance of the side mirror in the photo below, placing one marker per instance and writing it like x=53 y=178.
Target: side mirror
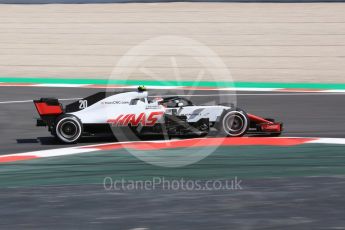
x=180 y=104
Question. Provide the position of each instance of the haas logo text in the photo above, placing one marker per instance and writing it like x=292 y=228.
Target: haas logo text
x=135 y=120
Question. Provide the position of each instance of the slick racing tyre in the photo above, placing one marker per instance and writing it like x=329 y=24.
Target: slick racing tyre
x=233 y=123
x=68 y=128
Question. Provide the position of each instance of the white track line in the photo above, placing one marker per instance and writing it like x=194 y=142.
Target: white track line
x=250 y=94
x=205 y=95
x=335 y=141
x=12 y=102
x=30 y=101
x=62 y=85
x=250 y=89
x=54 y=152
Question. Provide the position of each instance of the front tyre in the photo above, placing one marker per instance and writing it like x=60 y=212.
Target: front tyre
x=234 y=123
x=68 y=129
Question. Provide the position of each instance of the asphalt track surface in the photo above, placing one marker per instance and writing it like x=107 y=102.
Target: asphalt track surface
x=287 y=203
x=303 y=114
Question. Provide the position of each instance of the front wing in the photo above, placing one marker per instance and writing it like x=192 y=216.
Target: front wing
x=264 y=126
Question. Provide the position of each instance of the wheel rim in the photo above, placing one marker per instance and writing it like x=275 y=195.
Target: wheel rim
x=235 y=124
x=69 y=129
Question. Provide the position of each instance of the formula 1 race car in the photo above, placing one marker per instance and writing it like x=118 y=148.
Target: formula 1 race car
x=172 y=116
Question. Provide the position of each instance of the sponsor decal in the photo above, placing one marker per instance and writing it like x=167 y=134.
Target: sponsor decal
x=191 y=114
x=271 y=127
x=152 y=107
x=115 y=102
x=136 y=119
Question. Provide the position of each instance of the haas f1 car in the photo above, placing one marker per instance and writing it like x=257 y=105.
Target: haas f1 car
x=172 y=116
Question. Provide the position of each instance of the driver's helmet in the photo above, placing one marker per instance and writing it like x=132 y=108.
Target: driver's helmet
x=142 y=88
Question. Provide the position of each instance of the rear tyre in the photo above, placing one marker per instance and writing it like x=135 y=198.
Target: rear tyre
x=68 y=129
x=234 y=123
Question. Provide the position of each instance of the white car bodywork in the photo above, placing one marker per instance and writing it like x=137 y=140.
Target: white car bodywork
x=110 y=108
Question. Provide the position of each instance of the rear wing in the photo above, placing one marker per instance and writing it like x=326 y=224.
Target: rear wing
x=48 y=107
